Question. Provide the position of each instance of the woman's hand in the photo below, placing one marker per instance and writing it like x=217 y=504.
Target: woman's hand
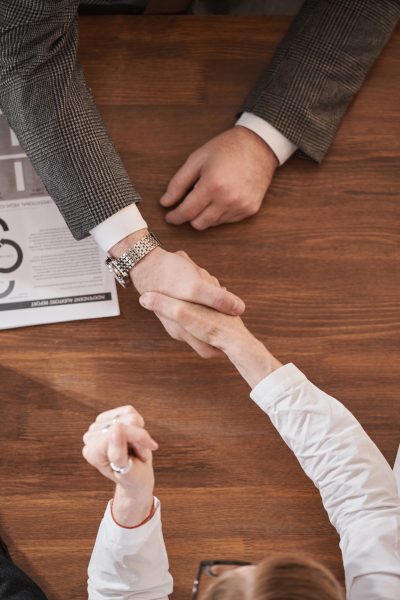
x=118 y=437
x=226 y=333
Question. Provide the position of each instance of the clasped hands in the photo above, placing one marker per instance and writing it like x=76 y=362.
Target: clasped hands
x=175 y=275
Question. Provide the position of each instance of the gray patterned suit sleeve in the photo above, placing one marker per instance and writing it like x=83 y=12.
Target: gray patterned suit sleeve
x=318 y=68
x=48 y=104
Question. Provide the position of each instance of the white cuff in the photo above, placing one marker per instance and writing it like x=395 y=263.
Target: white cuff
x=118 y=226
x=275 y=384
x=125 y=536
x=279 y=144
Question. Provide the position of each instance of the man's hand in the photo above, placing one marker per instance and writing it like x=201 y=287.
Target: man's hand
x=116 y=436
x=177 y=276
x=224 y=181
x=226 y=333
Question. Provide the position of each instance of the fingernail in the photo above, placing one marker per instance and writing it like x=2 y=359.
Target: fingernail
x=239 y=306
x=169 y=218
x=144 y=301
x=164 y=198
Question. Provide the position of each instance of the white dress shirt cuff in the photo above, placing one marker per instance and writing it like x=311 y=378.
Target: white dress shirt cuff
x=276 y=383
x=135 y=537
x=118 y=226
x=279 y=144
x=131 y=537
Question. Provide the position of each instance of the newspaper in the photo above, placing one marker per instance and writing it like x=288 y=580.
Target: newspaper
x=45 y=275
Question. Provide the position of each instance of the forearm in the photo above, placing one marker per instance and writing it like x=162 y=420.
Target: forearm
x=47 y=102
x=327 y=439
x=357 y=486
x=318 y=68
x=250 y=357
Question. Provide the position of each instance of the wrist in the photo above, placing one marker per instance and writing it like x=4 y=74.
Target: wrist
x=127 y=242
x=140 y=273
x=140 y=267
x=264 y=150
x=252 y=359
x=131 y=509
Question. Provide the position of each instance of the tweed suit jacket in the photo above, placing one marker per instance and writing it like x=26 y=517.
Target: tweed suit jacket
x=304 y=92
x=318 y=68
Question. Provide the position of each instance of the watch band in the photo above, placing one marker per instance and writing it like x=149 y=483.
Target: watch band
x=120 y=267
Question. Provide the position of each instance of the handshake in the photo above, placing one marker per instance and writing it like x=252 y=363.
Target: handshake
x=190 y=303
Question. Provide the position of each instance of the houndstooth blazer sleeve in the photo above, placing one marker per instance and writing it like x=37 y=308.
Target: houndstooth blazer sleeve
x=45 y=98
x=318 y=68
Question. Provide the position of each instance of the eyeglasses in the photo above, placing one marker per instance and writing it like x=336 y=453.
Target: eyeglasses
x=210 y=569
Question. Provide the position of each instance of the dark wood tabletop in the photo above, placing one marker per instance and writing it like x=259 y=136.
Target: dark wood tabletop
x=318 y=268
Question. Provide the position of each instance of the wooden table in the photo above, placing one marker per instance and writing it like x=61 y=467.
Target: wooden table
x=318 y=268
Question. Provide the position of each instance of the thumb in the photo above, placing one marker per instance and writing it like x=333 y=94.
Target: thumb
x=219 y=299
x=181 y=182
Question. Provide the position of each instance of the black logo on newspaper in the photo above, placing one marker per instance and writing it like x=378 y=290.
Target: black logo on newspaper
x=18 y=260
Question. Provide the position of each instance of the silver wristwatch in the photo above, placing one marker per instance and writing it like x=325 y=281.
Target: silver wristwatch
x=120 y=267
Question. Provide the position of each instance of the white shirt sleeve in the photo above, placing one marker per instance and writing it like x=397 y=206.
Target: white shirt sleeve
x=118 y=226
x=129 y=564
x=357 y=485
x=279 y=144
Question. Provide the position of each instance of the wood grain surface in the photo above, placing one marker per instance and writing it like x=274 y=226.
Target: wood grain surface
x=319 y=270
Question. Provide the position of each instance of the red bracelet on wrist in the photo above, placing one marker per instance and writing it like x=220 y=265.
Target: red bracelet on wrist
x=147 y=519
